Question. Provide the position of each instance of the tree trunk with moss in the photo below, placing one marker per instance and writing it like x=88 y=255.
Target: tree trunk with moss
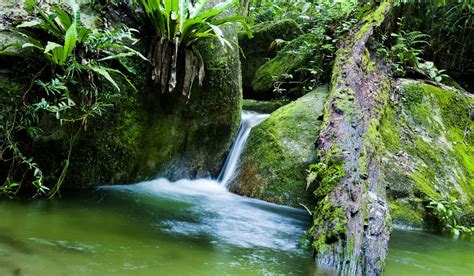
x=351 y=222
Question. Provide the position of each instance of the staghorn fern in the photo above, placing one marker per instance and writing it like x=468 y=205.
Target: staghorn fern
x=178 y=26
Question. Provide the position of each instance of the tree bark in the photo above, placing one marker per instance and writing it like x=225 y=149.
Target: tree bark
x=351 y=223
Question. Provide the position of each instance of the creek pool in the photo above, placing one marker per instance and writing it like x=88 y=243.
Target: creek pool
x=185 y=228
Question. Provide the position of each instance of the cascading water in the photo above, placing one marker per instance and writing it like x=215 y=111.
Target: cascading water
x=232 y=219
x=249 y=121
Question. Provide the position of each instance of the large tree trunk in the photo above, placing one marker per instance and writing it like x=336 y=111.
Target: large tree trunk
x=351 y=225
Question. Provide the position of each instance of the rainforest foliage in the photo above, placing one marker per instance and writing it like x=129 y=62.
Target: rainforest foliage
x=372 y=111
x=427 y=40
x=70 y=72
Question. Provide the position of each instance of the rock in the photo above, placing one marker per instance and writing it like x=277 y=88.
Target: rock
x=274 y=162
x=263 y=107
x=288 y=60
x=432 y=126
x=258 y=49
x=148 y=134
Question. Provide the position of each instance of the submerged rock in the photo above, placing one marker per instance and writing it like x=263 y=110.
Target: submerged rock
x=428 y=147
x=274 y=162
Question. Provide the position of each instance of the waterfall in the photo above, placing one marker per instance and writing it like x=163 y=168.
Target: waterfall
x=249 y=120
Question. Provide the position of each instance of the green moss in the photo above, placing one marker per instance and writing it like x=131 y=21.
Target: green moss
x=291 y=58
x=327 y=173
x=263 y=107
x=412 y=95
x=372 y=19
x=146 y=134
x=329 y=226
x=258 y=49
x=404 y=215
x=378 y=16
x=428 y=152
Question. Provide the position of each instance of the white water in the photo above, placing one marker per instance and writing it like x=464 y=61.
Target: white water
x=249 y=121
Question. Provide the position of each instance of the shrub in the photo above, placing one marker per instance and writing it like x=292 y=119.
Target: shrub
x=447 y=212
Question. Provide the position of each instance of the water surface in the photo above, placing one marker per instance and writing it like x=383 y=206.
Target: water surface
x=185 y=228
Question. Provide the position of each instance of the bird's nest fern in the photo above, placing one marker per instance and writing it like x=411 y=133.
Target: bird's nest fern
x=178 y=25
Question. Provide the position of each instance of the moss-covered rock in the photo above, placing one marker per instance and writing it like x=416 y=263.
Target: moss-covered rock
x=429 y=143
x=263 y=107
x=258 y=49
x=274 y=163
x=146 y=134
x=287 y=62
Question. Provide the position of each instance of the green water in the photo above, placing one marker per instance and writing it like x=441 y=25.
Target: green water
x=185 y=228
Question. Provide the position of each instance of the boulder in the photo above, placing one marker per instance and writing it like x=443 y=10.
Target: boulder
x=260 y=48
x=146 y=134
x=274 y=163
x=288 y=61
x=429 y=149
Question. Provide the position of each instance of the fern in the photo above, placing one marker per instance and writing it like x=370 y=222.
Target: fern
x=74 y=61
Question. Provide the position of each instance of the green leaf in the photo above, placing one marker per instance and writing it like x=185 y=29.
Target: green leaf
x=47 y=19
x=51 y=46
x=63 y=19
x=69 y=42
x=220 y=36
x=104 y=72
x=83 y=34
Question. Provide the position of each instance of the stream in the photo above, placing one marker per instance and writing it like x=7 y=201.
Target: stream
x=188 y=227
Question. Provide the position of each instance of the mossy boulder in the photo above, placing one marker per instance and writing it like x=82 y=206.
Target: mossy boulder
x=274 y=163
x=288 y=61
x=259 y=49
x=263 y=107
x=428 y=138
x=147 y=134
